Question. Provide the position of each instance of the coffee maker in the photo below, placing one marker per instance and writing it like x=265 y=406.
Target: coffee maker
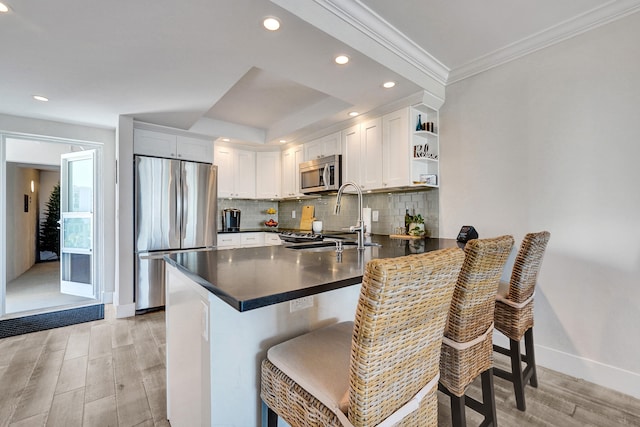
x=231 y=219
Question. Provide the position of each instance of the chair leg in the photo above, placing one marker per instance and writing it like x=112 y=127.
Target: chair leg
x=458 y=416
x=516 y=374
x=488 y=400
x=530 y=358
x=269 y=417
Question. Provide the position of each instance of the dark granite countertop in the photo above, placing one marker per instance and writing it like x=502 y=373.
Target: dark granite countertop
x=250 y=278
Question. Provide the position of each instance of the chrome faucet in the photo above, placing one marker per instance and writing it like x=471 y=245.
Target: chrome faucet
x=359 y=227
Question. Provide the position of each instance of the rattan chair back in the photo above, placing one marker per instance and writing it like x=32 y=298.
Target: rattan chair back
x=397 y=335
x=527 y=266
x=471 y=313
x=472 y=306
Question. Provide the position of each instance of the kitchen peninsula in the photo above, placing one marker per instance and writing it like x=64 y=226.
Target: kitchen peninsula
x=225 y=308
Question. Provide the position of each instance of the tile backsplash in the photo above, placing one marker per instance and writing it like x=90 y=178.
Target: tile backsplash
x=391 y=209
x=252 y=212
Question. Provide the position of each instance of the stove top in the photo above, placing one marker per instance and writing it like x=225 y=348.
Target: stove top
x=299 y=237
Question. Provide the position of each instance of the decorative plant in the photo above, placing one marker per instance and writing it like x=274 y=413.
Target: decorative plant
x=50 y=228
x=416 y=225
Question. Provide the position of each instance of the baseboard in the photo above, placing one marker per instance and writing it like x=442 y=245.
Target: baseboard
x=125 y=310
x=621 y=380
x=107 y=297
x=624 y=381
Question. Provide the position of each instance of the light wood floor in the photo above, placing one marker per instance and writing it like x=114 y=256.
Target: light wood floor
x=112 y=373
x=109 y=372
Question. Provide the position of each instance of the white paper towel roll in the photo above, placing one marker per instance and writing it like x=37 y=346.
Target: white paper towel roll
x=366 y=218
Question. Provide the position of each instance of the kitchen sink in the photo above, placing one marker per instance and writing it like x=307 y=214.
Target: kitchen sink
x=328 y=245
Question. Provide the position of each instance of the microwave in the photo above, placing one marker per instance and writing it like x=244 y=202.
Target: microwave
x=320 y=175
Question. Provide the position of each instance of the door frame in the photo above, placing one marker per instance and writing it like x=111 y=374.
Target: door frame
x=98 y=217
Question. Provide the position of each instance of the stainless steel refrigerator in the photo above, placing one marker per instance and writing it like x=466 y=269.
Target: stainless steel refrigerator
x=175 y=210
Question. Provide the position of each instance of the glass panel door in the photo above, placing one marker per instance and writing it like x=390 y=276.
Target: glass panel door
x=77 y=206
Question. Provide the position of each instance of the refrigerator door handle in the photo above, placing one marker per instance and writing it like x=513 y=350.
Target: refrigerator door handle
x=177 y=194
x=184 y=197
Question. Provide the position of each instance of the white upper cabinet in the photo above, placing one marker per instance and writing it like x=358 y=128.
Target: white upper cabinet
x=390 y=152
x=363 y=154
x=159 y=144
x=395 y=149
x=268 y=175
x=291 y=159
x=351 y=163
x=236 y=172
x=371 y=154
x=322 y=147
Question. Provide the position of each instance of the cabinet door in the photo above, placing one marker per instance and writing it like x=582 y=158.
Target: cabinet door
x=371 y=155
x=395 y=145
x=249 y=240
x=228 y=240
x=198 y=150
x=224 y=159
x=351 y=161
x=245 y=174
x=322 y=147
x=291 y=159
x=271 y=239
x=152 y=143
x=268 y=171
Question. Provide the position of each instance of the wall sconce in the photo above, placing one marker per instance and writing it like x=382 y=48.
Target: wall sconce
x=33 y=186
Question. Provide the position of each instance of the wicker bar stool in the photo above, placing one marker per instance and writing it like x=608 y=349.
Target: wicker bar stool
x=514 y=314
x=468 y=336
x=381 y=369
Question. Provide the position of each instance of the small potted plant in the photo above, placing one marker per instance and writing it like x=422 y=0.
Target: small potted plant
x=416 y=226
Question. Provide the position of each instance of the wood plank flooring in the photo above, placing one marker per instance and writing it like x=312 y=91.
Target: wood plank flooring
x=109 y=372
x=112 y=373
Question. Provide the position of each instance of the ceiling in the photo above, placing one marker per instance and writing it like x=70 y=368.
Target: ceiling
x=209 y=67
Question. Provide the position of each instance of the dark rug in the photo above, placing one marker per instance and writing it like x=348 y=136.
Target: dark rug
x=55 y=319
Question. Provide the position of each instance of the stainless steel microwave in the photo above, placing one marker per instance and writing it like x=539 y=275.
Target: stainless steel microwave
x=320 y=175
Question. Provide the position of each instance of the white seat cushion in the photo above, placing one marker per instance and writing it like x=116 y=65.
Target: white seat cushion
x=318 y=362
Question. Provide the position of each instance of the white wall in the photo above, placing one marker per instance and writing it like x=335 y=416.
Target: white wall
x=21 y=226
x=36 y=127
x=551 y=142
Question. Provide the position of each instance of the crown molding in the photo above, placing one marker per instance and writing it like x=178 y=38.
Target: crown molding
x=601 y=15
x=357 y=26
x=374 y=26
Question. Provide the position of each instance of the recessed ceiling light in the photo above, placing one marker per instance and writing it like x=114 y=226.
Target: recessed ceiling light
x=388 y=85
x=282 y=141
x=342 y=59
x=40 y=98
x=353 y=113
x=226 y=139
x=4 y=8
x=271 y=23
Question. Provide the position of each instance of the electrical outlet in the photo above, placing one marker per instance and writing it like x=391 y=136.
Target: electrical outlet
x=300 y=303
x=293 y=214
x=374 y=216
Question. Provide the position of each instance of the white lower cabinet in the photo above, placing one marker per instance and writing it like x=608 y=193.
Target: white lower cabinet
x=229 y=240
x=248 y=240
x=271 y=239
